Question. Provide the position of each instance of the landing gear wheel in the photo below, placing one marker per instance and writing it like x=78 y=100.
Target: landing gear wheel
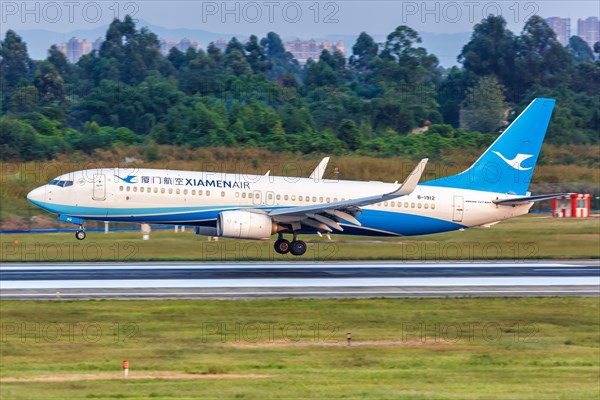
x=298 y=247
x=80 y=235
x=282 y=246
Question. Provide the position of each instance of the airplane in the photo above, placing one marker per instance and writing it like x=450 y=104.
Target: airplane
x=244 y=206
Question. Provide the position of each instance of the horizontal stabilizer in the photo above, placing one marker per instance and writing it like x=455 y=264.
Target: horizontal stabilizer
x=527 y=199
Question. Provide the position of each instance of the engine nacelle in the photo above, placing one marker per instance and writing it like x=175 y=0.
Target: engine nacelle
x=245 y=225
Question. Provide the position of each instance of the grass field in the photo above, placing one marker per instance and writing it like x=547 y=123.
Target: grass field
x=469 y=348
x=527 y=237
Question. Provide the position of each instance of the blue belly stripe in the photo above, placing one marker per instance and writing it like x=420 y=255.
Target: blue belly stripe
x=374 y=222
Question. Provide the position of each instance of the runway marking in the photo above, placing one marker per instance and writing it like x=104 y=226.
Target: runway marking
x=283 y=293
x=568 y=269
x=290 y=265
x=119 y=376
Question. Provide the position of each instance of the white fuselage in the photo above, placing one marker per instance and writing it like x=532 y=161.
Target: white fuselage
x=196 y=198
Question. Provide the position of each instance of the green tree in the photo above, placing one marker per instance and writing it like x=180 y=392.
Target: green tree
x=257 y=57
x=15 y=64
x=484 y=108
x=580 y=50
x=363 y=52
x=349 y=133
x=542 y=59
x=48 y=83
x=492 y=50
x=24 y=99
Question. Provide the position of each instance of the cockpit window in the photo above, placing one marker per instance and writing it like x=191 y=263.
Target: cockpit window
x=56 y=182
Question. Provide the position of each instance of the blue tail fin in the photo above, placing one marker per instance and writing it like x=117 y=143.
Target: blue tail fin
x=508 y=164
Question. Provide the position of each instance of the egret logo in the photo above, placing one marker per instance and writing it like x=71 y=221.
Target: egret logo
x=515 y=162
x=128 y=179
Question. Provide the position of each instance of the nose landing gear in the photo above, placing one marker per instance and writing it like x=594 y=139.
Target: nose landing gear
x=296 y=247
x=80 y=234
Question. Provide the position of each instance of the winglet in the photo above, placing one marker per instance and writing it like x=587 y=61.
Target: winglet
x=320 y=169
x=410 y=183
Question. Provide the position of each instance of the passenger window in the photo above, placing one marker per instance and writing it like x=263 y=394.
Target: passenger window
x=385 y=203
x=177 y=191
x=135 y=188
x=184 y=191
x=208 y=192
x=286 y=197
x=299 y=198
x=419 y=205
x=335 y=199
x=170 y=190
x=278 y=197
x=142 y=189
x=256 y=195
x=148 y=190
x=243 y=195
x=120 y=188
x=405 y=205
x=222 y=194
x=320 y=199
x=426 y=206
x=270 y=196
x=128 y=188
x=155 y=190
x=199 y=192
x=162 y=190
x=294 y=197
x=314 y=199
x=412 y=205
x=237 y=194
x=193 y=192
x=433 y=206
x=393 y=204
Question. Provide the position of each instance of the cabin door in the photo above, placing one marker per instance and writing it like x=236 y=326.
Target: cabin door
x=99 y=190
x=458 y=209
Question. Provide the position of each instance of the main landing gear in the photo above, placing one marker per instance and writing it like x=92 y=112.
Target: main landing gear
x=80 y=234
x=296 y=247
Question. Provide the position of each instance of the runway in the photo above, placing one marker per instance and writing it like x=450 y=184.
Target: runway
x=298 y=279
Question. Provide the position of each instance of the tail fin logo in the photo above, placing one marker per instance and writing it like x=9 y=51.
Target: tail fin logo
x=515 y=162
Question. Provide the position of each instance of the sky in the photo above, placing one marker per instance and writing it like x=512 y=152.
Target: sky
x=303 y=19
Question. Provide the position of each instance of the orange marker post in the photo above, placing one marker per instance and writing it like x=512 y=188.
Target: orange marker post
x=125 y=368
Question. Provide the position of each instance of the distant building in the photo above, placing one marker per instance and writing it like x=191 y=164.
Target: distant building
x=182 y=45
x=302 y=50
x=221 y=44
x=97 y=44
x=75 y=48
x=589 y=30
x=561 y=27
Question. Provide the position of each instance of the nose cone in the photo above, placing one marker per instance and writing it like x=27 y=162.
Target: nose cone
x=37 y=195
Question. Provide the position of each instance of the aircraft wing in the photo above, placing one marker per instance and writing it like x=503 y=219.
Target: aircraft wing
x=527 y=199
x=328 y=215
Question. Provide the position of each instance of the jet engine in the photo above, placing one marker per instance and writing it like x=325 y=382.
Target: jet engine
x=245 y=225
